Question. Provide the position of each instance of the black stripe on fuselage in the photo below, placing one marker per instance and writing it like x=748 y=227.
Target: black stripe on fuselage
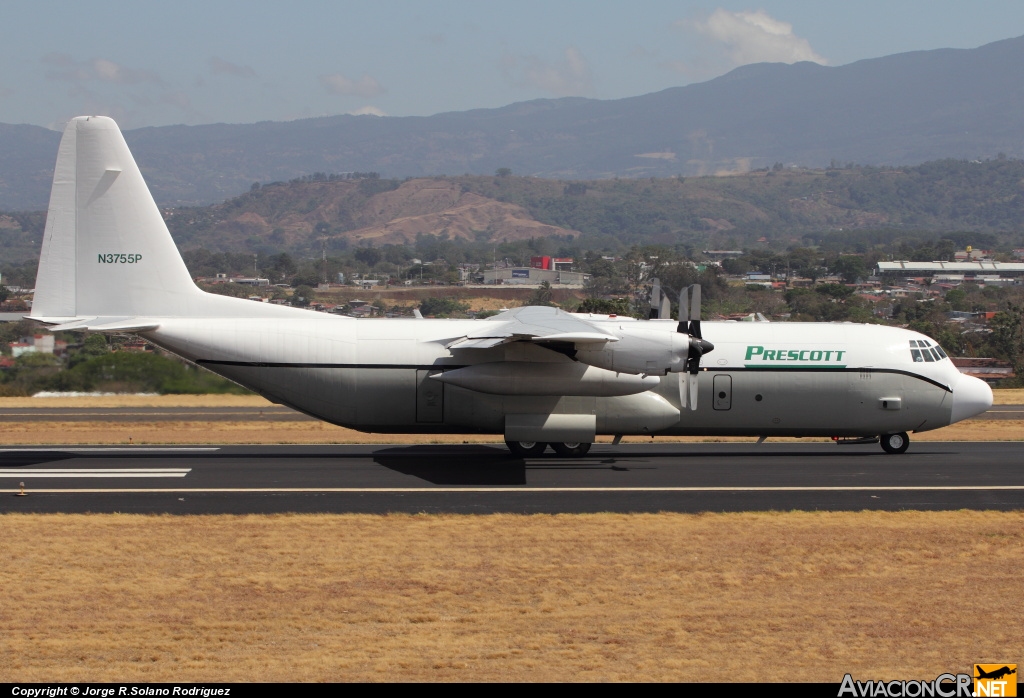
x=729 y=369
x=271 y=364
x=826 y=369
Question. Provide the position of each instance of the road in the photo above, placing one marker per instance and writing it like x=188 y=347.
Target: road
x=483 y=479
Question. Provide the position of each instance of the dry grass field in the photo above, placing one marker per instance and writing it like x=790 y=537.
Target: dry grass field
x=664 y=597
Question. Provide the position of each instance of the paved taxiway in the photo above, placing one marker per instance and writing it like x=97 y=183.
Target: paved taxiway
x=482 y=478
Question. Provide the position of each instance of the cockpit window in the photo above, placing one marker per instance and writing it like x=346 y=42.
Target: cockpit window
x=923 y=350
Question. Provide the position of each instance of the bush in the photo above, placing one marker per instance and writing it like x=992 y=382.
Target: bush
x=443 y=307
x=141 y=372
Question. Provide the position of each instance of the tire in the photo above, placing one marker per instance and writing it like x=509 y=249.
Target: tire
x=571 y=450
x=526 y=449
x=895 y=443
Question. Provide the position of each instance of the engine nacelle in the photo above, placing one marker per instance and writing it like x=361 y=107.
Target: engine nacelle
x=639 y=351
x=533 y=378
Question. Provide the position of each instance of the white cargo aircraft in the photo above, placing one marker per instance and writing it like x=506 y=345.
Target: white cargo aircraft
x=538 y=376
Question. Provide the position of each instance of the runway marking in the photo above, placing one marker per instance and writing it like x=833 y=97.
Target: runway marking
x=95 y=472
x=401 y=490
x=112 y=449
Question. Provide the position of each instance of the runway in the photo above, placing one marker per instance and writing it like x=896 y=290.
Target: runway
x=485 y=479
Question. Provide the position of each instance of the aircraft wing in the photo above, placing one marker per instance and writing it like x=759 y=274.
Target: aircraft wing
x=532 y=324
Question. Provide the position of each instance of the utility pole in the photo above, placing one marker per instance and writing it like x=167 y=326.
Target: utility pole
x=323 y=256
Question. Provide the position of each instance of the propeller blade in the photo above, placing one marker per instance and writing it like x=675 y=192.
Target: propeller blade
x=682 y=391
x=695 y=312
x=692 y=380
x=684 y=306
x=655 y=300
x=665 y=312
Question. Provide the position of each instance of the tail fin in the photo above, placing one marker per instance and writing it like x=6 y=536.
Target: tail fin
x=106 y=250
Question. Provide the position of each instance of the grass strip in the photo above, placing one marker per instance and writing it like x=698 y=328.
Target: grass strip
x=662 y=597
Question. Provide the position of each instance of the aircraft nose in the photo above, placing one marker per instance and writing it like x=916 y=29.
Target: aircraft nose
x=971 y=396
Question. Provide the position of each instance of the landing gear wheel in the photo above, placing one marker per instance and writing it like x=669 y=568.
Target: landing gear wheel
x=526 y=449
x=571 y=450
x=895 y=443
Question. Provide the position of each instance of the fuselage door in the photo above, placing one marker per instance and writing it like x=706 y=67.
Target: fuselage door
x=723 y=392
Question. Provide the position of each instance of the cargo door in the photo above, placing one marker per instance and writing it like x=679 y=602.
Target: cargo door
x=429 y=397
x=723 y=392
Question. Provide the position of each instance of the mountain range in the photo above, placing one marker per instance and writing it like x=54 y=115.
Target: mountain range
x=902 y=109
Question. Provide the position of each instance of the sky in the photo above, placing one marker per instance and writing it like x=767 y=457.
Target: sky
x=187 y=62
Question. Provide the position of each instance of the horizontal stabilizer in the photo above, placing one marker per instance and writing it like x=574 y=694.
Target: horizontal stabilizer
x=103 y=324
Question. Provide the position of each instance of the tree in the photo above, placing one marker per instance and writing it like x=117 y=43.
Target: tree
x=851 y=268
x=442 y=307
x=370 y=256
x=302 y=296
x=93 y=346
x=1007 y=337
x=600 y=306
x=503 y=172
x=542 y=295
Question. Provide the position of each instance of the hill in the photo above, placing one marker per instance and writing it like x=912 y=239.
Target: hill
x=784 y=206
x=897 y=110
x=368 y=211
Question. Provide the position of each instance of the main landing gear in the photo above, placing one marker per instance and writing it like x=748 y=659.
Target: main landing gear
x=532 y=449
x=891 y=443
x=895 y=443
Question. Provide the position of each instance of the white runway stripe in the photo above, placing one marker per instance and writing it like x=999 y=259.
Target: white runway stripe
x=94 y=472
x=532 y=490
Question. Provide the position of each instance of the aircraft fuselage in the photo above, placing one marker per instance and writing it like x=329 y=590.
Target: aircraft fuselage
x=772 y=379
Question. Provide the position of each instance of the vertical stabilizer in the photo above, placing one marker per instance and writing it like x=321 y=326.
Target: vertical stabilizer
x=106 y=250
x=55 y=281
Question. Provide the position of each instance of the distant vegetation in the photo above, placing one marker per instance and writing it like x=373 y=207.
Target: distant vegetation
x=96 y=363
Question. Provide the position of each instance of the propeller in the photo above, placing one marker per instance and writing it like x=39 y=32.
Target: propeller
x=661 y=305
x=689 y=324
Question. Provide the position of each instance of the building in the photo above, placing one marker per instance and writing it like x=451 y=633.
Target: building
x=988 y=370
x=969 y=270
x=40 y=344
x=534 y=276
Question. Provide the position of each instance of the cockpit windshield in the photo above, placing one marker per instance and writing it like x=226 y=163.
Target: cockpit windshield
x=926 y=350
